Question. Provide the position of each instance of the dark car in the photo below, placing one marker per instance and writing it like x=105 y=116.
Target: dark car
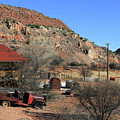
x=68 y=92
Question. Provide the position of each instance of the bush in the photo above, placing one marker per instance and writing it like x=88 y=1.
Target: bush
x=112 y=65
x=64 y=34
x=54 y=33
x=76 y=64
x=99 y=99
x=14 y=20
x=7 y=20
x=81 y=38
x=28 y=42
x=34 y=26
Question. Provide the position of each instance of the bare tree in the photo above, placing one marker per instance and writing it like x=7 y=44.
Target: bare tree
x=99 y=99
x=85 y=72
x=39 y=54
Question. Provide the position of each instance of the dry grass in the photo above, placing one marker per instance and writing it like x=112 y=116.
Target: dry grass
x=103 y=75
x=75 y=75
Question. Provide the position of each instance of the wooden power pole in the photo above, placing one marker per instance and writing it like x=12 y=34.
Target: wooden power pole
x=99 y=67
x=107 y=60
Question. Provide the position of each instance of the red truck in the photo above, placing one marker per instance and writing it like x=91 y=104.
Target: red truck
x=24 y=99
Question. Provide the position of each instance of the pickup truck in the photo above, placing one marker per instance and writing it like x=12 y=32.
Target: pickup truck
x=23 y=99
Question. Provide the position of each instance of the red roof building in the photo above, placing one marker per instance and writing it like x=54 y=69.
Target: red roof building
x=60 y=68
x=8 y=55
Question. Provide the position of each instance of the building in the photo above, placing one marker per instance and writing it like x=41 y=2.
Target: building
x=8 y=60
x=8 y=57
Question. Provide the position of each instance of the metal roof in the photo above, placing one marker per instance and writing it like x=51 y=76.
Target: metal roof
x=8 y=55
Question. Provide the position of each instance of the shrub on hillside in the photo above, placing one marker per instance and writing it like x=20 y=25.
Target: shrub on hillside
x=112 y=65
x=64 y=34
x=14 y=20
x=34 y=26
x=76 y=64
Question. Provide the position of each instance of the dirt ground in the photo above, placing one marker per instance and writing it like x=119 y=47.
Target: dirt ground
x=20 y=113
x=13 y=113
x=57 y=105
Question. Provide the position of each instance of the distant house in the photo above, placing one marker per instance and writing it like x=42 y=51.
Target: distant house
x=8 y=57
x=60 y=68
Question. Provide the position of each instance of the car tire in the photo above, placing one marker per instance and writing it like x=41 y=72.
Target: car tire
x=38 y=105
x=5 y=103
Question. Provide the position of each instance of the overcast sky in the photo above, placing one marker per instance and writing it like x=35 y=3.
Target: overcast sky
x=96 y=20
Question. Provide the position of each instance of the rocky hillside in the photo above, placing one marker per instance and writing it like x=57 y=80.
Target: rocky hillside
x=28 y=17
x=71 y=47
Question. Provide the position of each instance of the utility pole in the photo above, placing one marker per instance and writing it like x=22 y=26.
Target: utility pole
x=107 y=60
x=99 y=67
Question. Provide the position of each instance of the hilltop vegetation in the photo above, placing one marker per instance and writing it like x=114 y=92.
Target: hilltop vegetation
x=29 y=17
x=117 y=51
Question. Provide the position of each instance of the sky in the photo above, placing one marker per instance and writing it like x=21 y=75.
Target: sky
x=96 y=20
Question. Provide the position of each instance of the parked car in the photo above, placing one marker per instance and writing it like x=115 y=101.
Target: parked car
x=24 y=99
x=68 y=92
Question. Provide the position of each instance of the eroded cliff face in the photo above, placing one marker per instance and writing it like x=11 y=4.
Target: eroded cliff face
x=70 y=46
